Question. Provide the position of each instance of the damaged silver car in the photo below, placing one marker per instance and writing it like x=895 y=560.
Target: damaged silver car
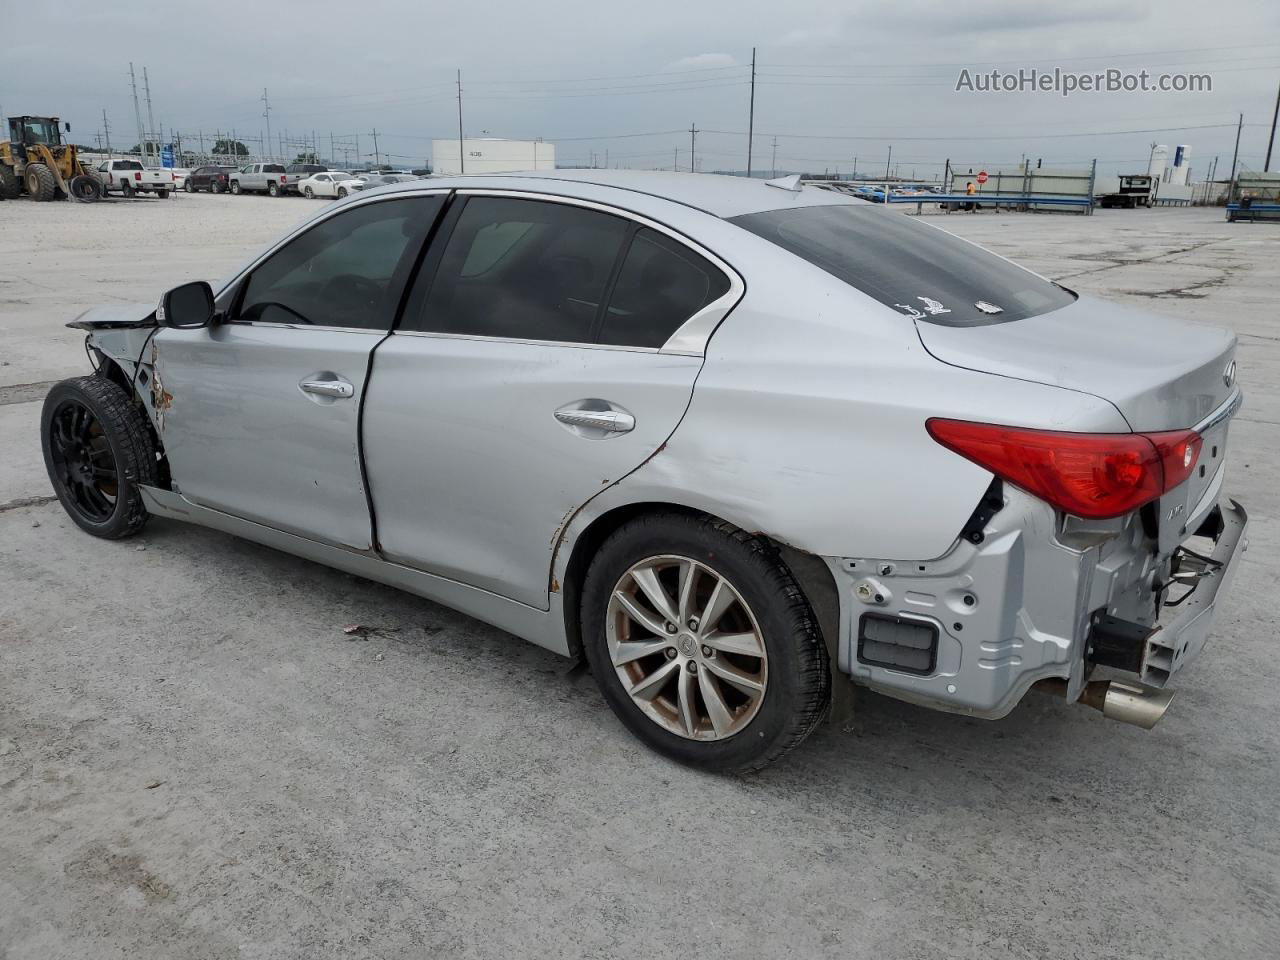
x=739 y=445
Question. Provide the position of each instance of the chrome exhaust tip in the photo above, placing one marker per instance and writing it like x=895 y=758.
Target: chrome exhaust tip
x=1123 y=700
x=1128 y=702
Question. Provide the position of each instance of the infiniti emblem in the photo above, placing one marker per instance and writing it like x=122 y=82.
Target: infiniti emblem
x=1229 y=374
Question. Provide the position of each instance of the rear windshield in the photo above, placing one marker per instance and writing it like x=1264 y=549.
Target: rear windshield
x=917 y=270
x=272 y=168
x=128 y=165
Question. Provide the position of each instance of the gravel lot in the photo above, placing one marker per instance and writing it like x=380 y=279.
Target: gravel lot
x=195 y=761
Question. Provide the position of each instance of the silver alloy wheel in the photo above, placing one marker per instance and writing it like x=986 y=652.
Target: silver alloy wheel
x=687 y=648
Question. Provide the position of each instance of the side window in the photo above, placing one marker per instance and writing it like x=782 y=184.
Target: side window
x=661 y=285
x=347 y=271
x=322 y=178
x=524 y=269
x=102 y=167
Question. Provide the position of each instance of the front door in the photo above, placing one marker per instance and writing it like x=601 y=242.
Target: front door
x=525 y=380
x=259 y=414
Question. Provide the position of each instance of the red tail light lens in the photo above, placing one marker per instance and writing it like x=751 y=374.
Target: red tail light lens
x=1092 y=475
x=137 y=175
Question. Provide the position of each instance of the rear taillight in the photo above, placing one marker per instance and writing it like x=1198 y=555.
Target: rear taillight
x=137 y=176
x=283 y=178
x=1092 y=475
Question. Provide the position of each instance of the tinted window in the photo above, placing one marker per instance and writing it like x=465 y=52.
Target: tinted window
x=128 y=165
x=909 y=266
x=525 y=269
x=661 y=285
x=347 y=271
x=272 y=168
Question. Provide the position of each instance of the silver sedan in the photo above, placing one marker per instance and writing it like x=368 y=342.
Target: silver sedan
x=737 y=445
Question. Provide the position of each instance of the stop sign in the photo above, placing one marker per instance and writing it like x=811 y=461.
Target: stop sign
x=982 y=176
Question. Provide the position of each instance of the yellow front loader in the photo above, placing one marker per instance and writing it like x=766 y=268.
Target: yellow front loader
x=35 y=161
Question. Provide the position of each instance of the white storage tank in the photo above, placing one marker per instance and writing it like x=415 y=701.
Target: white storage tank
x=491 y=155
x=1159 y=156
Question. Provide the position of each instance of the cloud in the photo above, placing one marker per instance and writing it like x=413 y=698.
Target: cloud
x=702 y=60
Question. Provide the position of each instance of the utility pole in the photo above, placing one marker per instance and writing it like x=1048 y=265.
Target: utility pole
x=137 y=110
x=693 y=148
x=888 y=161
x=675 y=159
x=775 y=158
x=462 y=161
x=266 y=115
x=106 y=130
x=1266 y=167
x=1235 y=156
x=377 y=157
x=606 y=158
x=332 y=157
x=751 y=115
x=151 y=120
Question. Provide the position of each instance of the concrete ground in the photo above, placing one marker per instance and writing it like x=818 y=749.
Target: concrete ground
x=195 y=761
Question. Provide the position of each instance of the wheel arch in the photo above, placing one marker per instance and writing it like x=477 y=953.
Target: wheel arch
x=810 y=572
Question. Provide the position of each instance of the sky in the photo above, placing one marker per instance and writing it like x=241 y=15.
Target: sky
x=622 y=83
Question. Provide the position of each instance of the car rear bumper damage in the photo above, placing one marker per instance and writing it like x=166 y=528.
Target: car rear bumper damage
x=1029 y=599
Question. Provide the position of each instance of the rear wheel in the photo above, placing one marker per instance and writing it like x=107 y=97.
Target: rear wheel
x=41 y=183
x=215 y=187
x=85 y=188
x=188 y=187
x=703 y=643
x=97 y=449
x=163 y=194
x=235 y=187
x=273 y=189
x=10 y=185
x=126 y=188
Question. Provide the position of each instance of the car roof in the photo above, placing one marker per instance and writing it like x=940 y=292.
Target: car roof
x=719 y=195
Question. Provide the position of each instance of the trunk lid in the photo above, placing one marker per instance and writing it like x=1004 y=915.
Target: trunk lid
x=1160 y=373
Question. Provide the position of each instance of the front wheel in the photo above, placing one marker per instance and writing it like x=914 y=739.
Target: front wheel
x=309 y=193
x=703 y=643
x=97 y=450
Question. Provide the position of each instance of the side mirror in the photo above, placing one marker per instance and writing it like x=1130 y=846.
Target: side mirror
x=68 y=126
x=187 y=307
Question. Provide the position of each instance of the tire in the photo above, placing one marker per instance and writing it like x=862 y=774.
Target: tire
x=41 y=183
x=187 y=186
x=85 y=188
x=126 y=188
x=342 y=192
x=273 y=189
x=768 y=613
x=309 y=193
x=235 y=187
x=10 y=185
x=215 y=187
x=90 y=421
x=163 y=194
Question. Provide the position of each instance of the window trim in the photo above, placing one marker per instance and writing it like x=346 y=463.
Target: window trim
x=689 y=339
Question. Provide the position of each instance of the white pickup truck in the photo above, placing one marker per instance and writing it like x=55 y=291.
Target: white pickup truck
x=130 y=176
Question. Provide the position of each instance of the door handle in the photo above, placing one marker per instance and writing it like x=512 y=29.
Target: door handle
x=328 y=388
x=611 y=421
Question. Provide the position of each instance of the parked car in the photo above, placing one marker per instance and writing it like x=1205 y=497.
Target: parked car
x=129 y=177
x=328 y=184
x=214 y=179
x=735 y=443
x=300 y=171
x=268 y=178
x=180 y=175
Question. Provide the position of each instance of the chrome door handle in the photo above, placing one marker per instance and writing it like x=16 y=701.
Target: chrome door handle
x=611 y=421
x=328 y=388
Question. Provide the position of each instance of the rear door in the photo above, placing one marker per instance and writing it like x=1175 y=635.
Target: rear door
x=526 y=376
x=259 y=415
